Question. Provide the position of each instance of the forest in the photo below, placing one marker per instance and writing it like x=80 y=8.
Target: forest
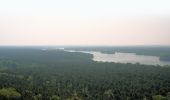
x=29 y=73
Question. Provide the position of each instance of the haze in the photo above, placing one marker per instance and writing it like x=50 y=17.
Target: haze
x=89 y=22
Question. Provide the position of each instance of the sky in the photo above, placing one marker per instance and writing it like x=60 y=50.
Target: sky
x=85 y=22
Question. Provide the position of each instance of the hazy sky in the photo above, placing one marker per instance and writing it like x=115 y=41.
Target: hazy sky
x=85 y=22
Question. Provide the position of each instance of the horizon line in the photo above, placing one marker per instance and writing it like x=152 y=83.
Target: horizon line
x=84 y=45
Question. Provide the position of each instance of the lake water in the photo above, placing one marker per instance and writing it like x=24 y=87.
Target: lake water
x=119 y=57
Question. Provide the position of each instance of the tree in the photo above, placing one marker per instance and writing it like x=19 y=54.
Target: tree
x=74 y=97
x=9 y=93
x=109 y=94
x=168 y=96
x=38 y=97
x=159 y=97
x=54 y=97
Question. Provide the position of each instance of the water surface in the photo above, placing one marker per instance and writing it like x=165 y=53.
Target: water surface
x=119 y=57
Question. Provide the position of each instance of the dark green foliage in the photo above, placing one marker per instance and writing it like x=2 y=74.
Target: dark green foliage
x=59 y=75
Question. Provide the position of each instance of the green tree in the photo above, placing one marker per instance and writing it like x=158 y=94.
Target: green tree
x=144 y=98
x=109 y=94
x=38 y=97
x=159 y=97
x=54 y=97
x=9 y=93
x=168 y=96
x=74 y=97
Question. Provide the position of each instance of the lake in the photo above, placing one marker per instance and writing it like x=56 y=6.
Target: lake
x=119 y=57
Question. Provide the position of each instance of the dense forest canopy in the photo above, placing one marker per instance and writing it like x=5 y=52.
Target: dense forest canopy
x=29 y=73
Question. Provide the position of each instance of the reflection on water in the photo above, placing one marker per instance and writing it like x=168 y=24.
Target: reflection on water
x=118 y=57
